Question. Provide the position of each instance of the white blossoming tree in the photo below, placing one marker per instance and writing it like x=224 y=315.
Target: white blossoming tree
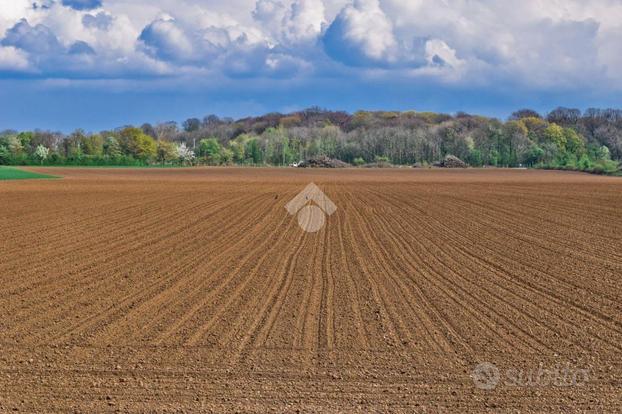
x=42 y=153
x=186 y=155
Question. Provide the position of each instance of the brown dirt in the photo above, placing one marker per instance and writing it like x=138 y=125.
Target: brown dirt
x=194 y=290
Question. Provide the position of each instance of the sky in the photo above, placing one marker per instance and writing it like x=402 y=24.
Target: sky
x=97 y=64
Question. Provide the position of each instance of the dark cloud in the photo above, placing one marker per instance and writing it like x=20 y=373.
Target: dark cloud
x=439 y=61
x=101 y=21
x=339 y=48
x=38 y=39
x=83 y=4
x=42 y=6
x=169 y=41
x=81 y=48
x=260 y=61
x=166 y=40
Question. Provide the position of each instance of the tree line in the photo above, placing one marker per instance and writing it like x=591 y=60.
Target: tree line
x=565 y=138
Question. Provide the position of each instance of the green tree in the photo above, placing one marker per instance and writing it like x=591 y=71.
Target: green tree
x=535 y=127
x=575 y=143
x=136 y=143
x=253 y=151
x=475 y=158
x=211 y=150
x=555 y=134
x=93 y=145
x=603 y=153
x=517 y=142
x=5 y=155
x=25 y=138
x=534 y=156
x=493 y=157
x=112 y=148
x=238 y=151
x=584 y=163
x=14 y=145
x=277 y=146
x=329 y=137
x=166 y=152
x=226 y=156
x=551 y=153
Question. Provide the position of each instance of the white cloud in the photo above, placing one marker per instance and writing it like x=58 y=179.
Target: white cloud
x=258 y=61
x=361 y=34
x=270 y=14
x=11 y=11
x=300 y=21
x=439 y=53
x=166 y=40
x=305 y=19
x=539 y=43
x=13 y=59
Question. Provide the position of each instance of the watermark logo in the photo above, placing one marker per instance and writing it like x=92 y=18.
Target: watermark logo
x=311 y=205
x=487 y=376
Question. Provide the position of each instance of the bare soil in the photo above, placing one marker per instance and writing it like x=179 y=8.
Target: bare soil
x=194 y=290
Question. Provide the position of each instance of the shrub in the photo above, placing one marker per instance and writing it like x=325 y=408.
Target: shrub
x=585 y=163
x=605 y=167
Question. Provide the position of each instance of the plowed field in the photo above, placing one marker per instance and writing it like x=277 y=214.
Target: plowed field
x=194 y=290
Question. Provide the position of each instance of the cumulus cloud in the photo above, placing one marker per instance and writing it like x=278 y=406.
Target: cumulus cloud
x=361 y=35
x=270 y=13
x=256 y=60
x=553 y=44
x=301 y=21
x=439 y=53
x=169 y=40
x=81 y=48
x=165 y=39
x=37 y=40
x=305 y=19
x=542 y=44
x=556 y=52
x=101 y=20
x=13 y=59
x=235 y=54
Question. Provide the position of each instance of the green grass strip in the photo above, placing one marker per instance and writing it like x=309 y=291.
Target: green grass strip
x=10 y=173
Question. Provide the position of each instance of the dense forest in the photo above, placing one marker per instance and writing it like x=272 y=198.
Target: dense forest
x=564 y=138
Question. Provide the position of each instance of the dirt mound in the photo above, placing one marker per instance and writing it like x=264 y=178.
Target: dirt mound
x=451 y=161
x=323 y=162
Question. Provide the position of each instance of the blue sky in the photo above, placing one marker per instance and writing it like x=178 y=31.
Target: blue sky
x=98 y=64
